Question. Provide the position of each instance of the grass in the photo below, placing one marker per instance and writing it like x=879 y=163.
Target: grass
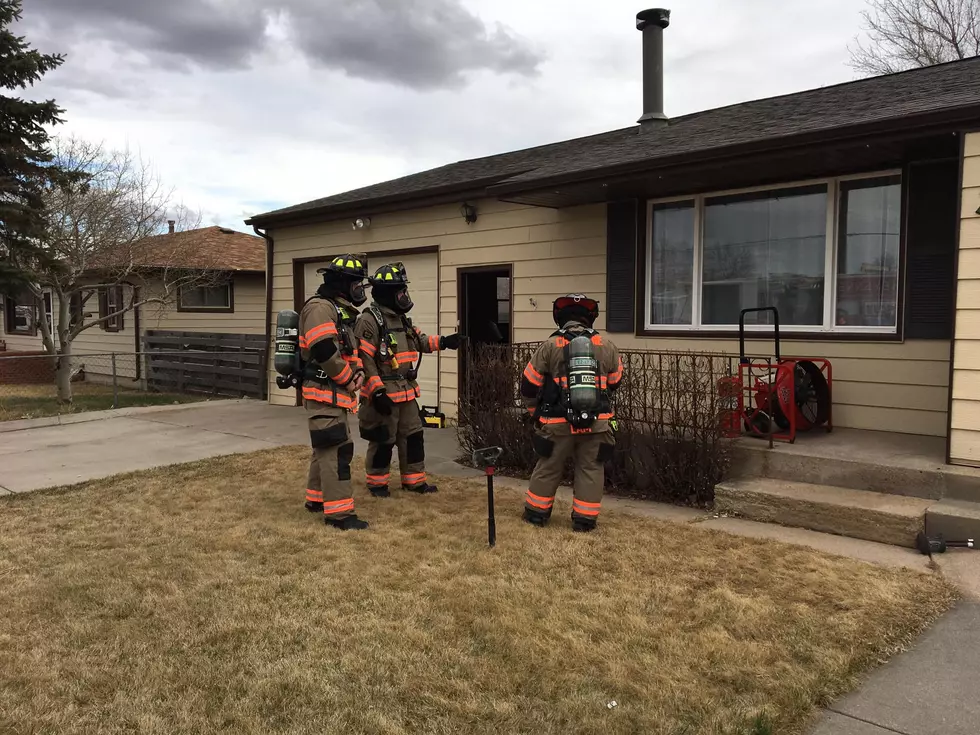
x=204 y=598
x=36 y=401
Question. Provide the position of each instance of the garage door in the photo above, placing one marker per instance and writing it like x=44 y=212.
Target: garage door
x=423 y=276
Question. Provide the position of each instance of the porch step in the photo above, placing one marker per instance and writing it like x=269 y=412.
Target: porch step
x=887 y=519
x=893 y=473
x=956 y=520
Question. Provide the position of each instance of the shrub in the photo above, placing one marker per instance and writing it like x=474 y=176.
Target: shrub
x=668 y=443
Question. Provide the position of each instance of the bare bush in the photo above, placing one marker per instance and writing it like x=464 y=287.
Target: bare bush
x=668 y=443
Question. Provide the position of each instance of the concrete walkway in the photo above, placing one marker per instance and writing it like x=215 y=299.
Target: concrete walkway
x=930 y=689
x=39 y=453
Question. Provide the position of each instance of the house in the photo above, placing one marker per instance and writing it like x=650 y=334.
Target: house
x=231 y=303
x=854 y=208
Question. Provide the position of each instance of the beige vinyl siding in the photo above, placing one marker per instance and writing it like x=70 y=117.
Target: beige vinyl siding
x=96 y=342
x=537 y=242
x=878 y=385
x=247 y=318
x=964 y=446
x=92 y=347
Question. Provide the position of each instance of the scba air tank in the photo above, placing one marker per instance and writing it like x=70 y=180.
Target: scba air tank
x=583 y=382
x=286 y=359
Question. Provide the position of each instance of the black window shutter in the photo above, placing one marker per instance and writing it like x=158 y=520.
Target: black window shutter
x=621 y=240
x=930 y=248
x=120 y=323
x=103 y=308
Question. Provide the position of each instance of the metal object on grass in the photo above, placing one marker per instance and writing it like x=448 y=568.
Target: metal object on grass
x=487 y=458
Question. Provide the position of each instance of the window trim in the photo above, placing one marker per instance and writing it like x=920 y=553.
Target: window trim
x=47 y=304
x=9 y=304
x=828 y=329
x=230 y=309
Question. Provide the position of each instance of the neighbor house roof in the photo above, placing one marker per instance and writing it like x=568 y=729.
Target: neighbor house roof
x=217 y=248
x=904 y=100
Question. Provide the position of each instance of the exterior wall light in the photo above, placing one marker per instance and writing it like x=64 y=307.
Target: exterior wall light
x=468 y=213
x=361 y=223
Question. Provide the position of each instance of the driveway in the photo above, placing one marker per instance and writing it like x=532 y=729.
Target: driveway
x=39 y=455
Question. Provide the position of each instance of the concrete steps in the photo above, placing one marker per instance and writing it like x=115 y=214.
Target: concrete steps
x=909 y=476
x=872 y=516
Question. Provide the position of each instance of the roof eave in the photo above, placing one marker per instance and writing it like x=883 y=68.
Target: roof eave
x=377 y=205
x=945 y=120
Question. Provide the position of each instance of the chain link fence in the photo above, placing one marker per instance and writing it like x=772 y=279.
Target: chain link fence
x=29 y=381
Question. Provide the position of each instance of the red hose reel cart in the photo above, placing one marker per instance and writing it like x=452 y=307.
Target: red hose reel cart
x=775 y=398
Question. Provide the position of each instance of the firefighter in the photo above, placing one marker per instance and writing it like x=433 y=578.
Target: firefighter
x=391 y=348
x=567 y=387
x=332 y=379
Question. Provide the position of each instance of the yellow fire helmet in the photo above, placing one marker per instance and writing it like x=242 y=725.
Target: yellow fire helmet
x=392 y=274
x=349 y=264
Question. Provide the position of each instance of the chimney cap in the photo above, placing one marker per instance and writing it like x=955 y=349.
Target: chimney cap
x=654 y=16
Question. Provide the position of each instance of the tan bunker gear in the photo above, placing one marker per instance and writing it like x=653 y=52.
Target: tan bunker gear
x=559 y=434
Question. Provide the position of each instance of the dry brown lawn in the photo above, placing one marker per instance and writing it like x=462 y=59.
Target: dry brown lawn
x=204 y=598
x=35 y=401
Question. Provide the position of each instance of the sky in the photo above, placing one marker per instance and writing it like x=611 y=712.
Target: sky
x=244 y=106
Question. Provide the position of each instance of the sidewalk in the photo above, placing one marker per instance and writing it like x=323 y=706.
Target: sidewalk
x=929 y=689
x=39 y=453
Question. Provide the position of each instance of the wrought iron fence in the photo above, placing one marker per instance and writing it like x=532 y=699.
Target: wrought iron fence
x=669 y=411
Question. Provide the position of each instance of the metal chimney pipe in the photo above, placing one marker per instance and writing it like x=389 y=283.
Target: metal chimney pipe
x=171 y=223
x=652 y=24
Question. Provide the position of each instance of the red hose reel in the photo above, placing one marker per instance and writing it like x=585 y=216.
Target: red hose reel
x=774 y=399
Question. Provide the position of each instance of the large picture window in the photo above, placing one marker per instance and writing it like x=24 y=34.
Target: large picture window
x=825 y=254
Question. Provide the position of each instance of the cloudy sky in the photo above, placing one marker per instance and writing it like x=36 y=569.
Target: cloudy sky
x=248 y=105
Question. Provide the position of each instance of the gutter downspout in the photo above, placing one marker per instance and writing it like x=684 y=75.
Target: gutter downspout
x=270 y=246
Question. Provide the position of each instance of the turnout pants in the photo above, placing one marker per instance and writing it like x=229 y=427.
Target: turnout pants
x=404 y=430
x=329 y=479
x=588 y=451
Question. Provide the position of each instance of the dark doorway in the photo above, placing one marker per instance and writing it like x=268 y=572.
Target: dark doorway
x=484 y=308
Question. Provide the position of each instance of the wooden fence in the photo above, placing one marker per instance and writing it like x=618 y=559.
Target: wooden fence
x=202 y=362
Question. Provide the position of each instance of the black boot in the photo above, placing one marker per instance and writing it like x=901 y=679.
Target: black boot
x=314 y=507
x=581 y=525
x=535 y=519
x=422 y=489
x=380 y=492
x=350 y=523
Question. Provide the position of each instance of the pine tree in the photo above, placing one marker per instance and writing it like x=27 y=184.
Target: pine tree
x=25 y=159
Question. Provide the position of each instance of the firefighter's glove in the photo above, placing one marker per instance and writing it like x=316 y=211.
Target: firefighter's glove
x=449 y=342
x=382 y=403
x=356 y=382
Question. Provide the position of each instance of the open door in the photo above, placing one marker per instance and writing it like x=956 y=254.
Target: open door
x=484 y=309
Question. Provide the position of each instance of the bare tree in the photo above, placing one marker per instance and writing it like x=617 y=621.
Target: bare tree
x=907 y=34
x=102 y=236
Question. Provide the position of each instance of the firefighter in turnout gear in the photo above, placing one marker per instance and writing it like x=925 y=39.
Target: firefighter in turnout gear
x=391 y=348
x=567 y=387
x=332 y=378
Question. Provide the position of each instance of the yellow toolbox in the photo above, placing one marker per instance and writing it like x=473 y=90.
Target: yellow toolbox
x=432 y=416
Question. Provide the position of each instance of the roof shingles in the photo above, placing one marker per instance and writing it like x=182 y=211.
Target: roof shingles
x=211 y=248
x=935 y=89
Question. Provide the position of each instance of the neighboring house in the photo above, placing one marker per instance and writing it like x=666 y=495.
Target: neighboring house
x=855 y=209
x=235 y=304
